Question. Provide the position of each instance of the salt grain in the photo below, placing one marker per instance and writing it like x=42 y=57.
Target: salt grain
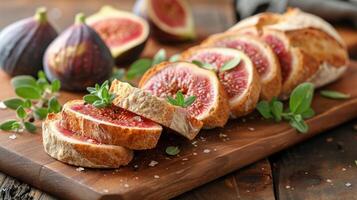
x=106 y=190
x=287 y=187
x=348 y=184
x=80 y=169
x=156 y=176
x=136 y=178
x=329 y=180
x=13 y=136
x=153 y=163
x=221 y=135
x=343 y=169
x=194 y=153
x=2 y=105
x=251 y=129
x=184 y=159
x=126 y=185
x=206 y=151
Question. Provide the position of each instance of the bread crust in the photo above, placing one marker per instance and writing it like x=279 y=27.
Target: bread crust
x=272 y=83
x=218 y=115
x=81 y=153
x=156 y=109
x=318 y=47
x=137 y=138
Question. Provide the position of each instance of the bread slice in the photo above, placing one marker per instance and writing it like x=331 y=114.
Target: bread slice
x=156 y=109
x=261 y=54
x=318 y=54
x=215 y=114
x=67 y=147
x=111 y=125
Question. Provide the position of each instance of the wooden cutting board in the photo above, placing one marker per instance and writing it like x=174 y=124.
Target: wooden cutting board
x=214 y=153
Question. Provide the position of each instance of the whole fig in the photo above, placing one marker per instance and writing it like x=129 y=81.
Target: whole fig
x=78 y=57
x=23 y=43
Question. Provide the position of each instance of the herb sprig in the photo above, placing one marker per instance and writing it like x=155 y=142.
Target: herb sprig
x=35 y=99
x=299 y=108
x=99 y=96
x=172 y=150
x=331 y=94
x=230 y=64
x=180 y=100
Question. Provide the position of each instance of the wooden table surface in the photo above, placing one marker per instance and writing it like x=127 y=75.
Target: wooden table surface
x=324 y=167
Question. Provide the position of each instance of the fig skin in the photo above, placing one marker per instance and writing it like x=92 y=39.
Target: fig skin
x=23 y=44
x=78 y=57
x=141 y=9
x=122 y=54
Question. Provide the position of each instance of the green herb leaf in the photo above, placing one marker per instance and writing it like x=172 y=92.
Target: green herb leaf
x=334 y=94
x=117 y=74
x=28 y=92
x=172 y=150
x=301 y=97
x=180 y=99
x=264 y=109
x=189 y=100
x=30 y=127
x=159 y=57
x=41 y=75
x=41 y=113
x=90 y=98
x=308 y=113
x=99 y=104
x=299 y=124
x=7 y=125
x=277 y=109
x=231 y=64
x=175 y=58
x=54 y=106
x=23 y=80
x=13 y=103
x=172 y=101
x=27 y=104
x=21 y=113
x=138 y=68
x=55 y=86
x=204 y=65
x=16 y=126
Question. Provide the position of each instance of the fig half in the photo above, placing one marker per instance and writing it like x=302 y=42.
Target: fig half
x=170 y=20
x=78 y=57
x=124 y=33
x=23 y=43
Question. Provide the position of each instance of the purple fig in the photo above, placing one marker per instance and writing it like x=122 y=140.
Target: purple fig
x=23 y=44
x=78 y=57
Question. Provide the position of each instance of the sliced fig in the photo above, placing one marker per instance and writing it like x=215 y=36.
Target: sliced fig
x=23 y=44
x=262 y=56
x=241 y=82
x=124 y=33
x=78 y=57
x=170 y=20
x=210 y=106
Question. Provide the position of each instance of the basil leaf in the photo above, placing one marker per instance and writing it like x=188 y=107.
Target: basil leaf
x=301 y=97
x=264 y=109
x=334 y=94
x=231 y=64
x=299 y=124
x=41 y=113
x=54 y=106
x=138 y=68
x=159 y=57
x=90 y=98
x=308 y=113
x=30 y=127
x=28 y=92
x=189 y=100
x=175 y=58
x=172 y=150
x=13 y=103
x=172 y=101
x=55 y=86
x=23 y=80
x=27 y=104
x=180 y=99
x=7 y=125
x=41 y=75
x=21 y=113
x=277 y=110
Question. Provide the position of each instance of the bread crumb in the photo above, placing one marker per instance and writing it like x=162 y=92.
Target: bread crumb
x=153 y=163
x=251 y=129
x=2 y=105
x=222 y=135
x=126 y=185
x=13 y=136
x=156 y=176
x=287 y=187
x=80 y=169
x=329 y=180
x=206 y=151
x=344 y=169
x=184 y=159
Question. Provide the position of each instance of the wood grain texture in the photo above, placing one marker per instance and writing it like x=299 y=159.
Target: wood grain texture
x=323 y=168
x=230 y=148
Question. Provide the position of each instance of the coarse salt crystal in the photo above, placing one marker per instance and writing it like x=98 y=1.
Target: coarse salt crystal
x=348 y=184
x=106 y=190
x=287 y=187
x=126 y=185
x=153 y=163
x=156 y=176
x=251 y=129
x=206 y=151
x=343 y=169
x=221 y=135
x=184 y=159
x=329 y=180
x=80 y=169
x=13 y=136
x=2 y=105
x=194 y=153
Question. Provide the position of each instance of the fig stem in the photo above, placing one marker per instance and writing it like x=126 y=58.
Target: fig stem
x=41 y=14
x=80 y=18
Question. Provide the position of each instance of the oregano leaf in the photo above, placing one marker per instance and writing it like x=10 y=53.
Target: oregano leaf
x=231 y=64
